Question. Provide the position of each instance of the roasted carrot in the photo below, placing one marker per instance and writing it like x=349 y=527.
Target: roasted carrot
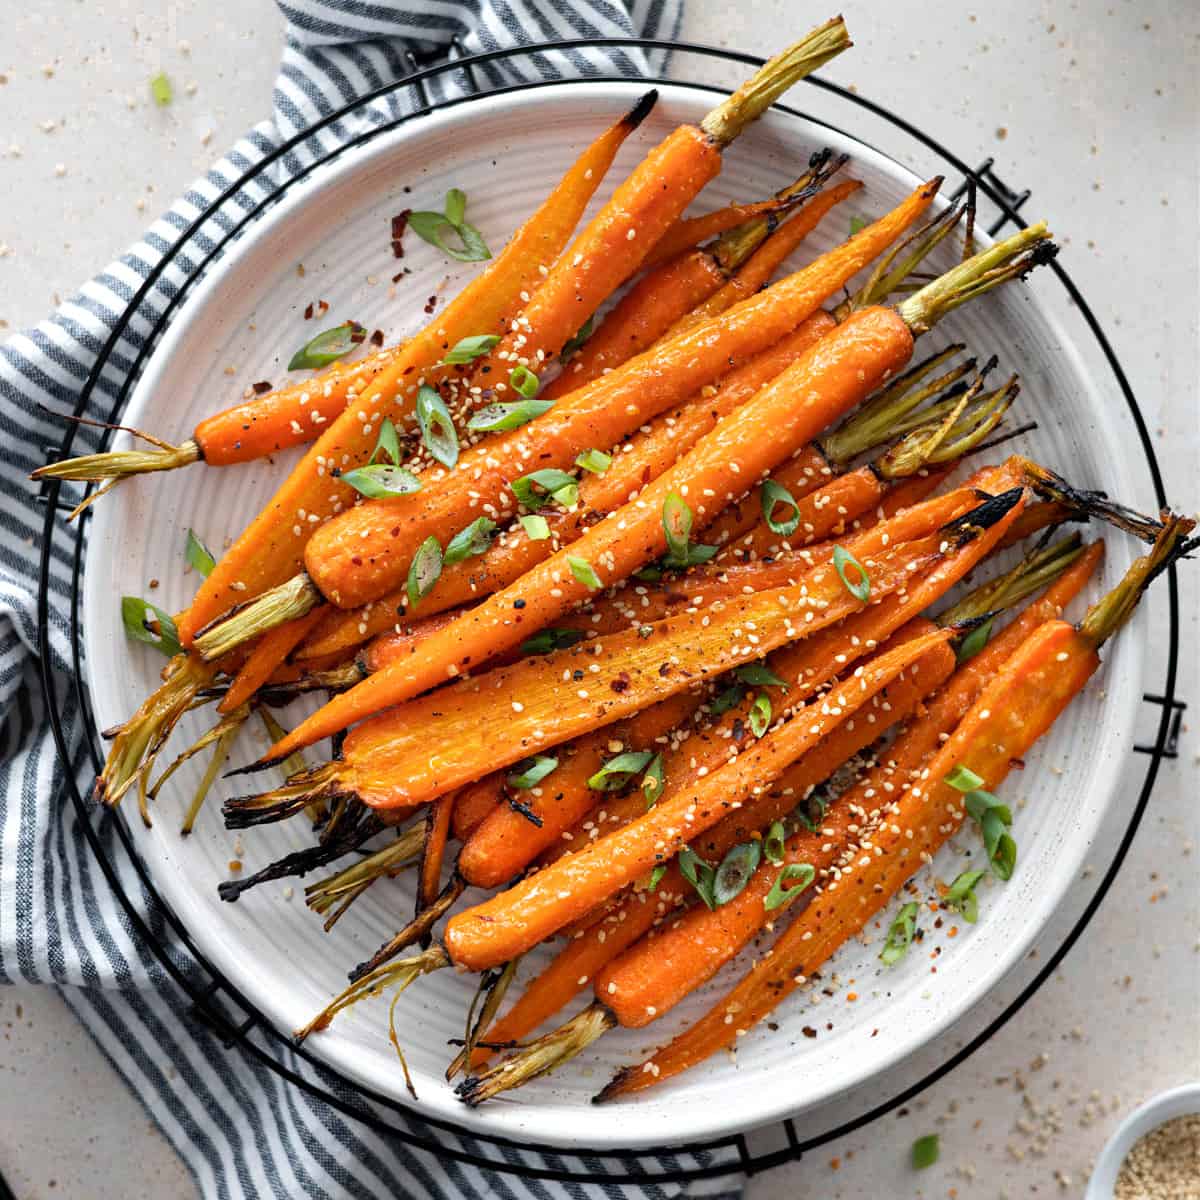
x=509 y=839
x=474 y=802
x=1016 y=707
x=366 y=551
x=270 y=549
x=274 y=646
x=433 y=850
x=645 y=206
x=668 y=292
x=650 y=452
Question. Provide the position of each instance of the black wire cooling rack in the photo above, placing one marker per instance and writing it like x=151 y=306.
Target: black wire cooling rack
x=213 y=998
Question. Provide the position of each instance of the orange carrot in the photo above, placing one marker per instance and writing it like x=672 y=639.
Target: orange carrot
x=1017 y=706
x=644 y=207
x=267 y=655
x=513 y=553
x=474 y=802
x=499 y=929
x=689 y=232
x=433 y=850
x=271 y=548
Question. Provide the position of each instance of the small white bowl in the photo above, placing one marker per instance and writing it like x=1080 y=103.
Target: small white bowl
x=1166 y=1106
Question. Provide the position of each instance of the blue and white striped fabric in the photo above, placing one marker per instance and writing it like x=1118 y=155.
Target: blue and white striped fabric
x=243 y=1130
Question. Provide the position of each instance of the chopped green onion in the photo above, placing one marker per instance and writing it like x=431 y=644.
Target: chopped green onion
x=760 y=714
x=469 y=542
x=925 y=1151
x=425 y=570
x=699 y=874
x=802 y=873
x=468 y=349
x=495 y=418
x=432 y=226
x=160 y=89
x=735 y=872
x=546 y=641
x=979 y=803
x=963 y=779
x=811 y=811
x=758 y=674
x=677 y=525
x=774 y=494
x=146 y=622
x=724 y=701
x=1004 y=858
x=584 y=572
x=842 y=558
x=328 y=346
x=585 y=332
x=994 y=819
x=619 y=770
x=961 y=896
x=538 y=487
x=437 y=426
x=773 y=843
x=656 y=877
x=537 y=528
x=856 y=223
x=381 y=480
x=595 y=461
x=900 y=934
x=387 y=443
x=531 y=771
x=975 y=641
x=199 y=556
x=653 y=781
x=524 y=382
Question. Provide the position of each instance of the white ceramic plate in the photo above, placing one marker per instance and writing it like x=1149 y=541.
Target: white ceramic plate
x=242 y=325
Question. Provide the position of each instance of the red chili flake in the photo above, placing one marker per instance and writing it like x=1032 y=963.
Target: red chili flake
x=358 y=333
x=322 y=307
x=399 y=225
x=621 y=683
x=1017 y=764
x=308 y=313
x=399 y=275
x=377 y=338
x=261 y=387
x=431 y=304
x=809 y=1031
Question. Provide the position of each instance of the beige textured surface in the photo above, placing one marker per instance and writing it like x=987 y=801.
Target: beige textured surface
x=1093 y=105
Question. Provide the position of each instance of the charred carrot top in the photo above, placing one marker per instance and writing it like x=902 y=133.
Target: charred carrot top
x=366 y=552
x=645 y=206
x=1016 y=707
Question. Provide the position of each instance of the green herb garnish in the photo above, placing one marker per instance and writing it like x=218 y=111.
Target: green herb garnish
x=437 y=426
x=524 y=382
x=146 y=622
x=656 y=877
x=199 y=556
x=699 y=874
x=537 y=528
x=584 y=572
x=856 y=223
x=468 y=349
x=975 y=641
x=773 y=844
x=900 y=934
x=327 y=347
x=724 y=701
x=735 y=871
x=963 y=779
x=801 y=874
x=760 y=715
x=585 y=332
x=653 y=781
x=546 y=641
x=531 y=771
x=388 y=442
x=595 y=461
x=925 y=1151
x=538 y=488
x=469 y=542
x=424 y=571
x=677 y=525
x=498 y=418
x=961 y=896
x=861 y=589
x=619 y=770
x=160 y=89
x=432 y=227
x=759 y=675
x=381 y=480
x=774 y=494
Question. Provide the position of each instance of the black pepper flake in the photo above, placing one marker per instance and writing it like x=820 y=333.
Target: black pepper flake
x=261 y=387
x=518 y=604
x=739 y=730
x=525 y=811
x=376 y=338
x=577 y=675
x=664 y=670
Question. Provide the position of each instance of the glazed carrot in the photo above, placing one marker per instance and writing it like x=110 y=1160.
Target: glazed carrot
x=501 y=928
x=366 y=551
x=644 y=207
x=834 y=374
x=513 y=553
x=275 y=645
x=508 y=840
x=474 y=802
x=387 y=761
x=604 y=940
x=433 y=850
x=668 y=292
x=300 y=412
x=1015 y=708
x=270 y=549
x=767 y=259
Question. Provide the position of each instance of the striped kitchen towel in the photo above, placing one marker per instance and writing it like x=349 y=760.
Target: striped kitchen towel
x=241 y=1127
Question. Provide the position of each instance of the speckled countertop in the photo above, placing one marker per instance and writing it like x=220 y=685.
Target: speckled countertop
x=1093 y=105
